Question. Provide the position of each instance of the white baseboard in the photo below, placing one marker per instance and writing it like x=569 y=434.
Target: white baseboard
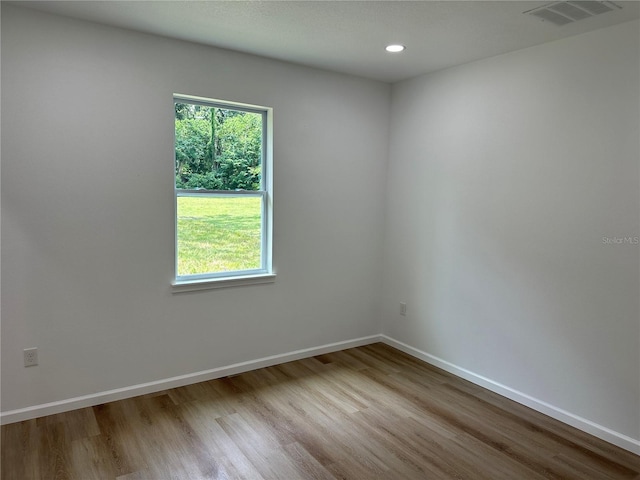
x=66 y=405
x=604 y=433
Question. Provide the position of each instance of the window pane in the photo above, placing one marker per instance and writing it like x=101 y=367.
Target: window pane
x=219 y=234
x=217 y=148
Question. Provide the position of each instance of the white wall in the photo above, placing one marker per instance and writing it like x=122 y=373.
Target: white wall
x=87 y=205
x=504 y=176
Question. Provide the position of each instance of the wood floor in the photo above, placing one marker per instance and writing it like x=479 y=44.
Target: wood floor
x=365 y=413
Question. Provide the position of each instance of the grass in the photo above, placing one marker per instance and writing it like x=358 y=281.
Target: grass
x=218 y=234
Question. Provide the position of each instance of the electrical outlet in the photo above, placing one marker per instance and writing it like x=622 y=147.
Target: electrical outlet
x=30 y=357
x=403 y=309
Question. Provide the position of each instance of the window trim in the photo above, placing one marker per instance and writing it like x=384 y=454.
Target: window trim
x=264 y=274
x=223 y=282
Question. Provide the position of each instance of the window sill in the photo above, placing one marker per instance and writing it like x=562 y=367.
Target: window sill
x=213 y=283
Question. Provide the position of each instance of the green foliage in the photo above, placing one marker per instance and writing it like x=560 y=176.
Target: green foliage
x=241 y=139
x=217 y=149
x=189 y=110
x=193 y=148
x=208 y=181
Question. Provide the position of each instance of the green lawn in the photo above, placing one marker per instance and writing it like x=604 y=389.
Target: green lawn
x=218 y=234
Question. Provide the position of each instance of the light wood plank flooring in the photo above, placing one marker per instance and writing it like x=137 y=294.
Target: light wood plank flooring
x=364 y=413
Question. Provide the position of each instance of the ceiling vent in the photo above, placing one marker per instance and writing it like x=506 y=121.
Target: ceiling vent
x=561 y=13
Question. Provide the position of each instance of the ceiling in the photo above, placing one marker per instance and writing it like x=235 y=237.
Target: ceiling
x=345 y=36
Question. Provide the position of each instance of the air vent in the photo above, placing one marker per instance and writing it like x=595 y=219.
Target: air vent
x=561 y=13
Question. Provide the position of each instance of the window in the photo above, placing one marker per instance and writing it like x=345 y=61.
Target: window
x=222 y=192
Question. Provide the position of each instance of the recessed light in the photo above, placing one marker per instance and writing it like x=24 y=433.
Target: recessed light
x=395 y=48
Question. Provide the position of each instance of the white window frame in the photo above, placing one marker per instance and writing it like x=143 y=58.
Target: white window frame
x=265 y=273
